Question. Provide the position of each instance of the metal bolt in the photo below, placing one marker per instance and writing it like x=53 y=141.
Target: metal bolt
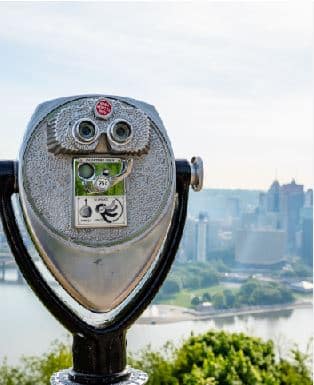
x=197 y=173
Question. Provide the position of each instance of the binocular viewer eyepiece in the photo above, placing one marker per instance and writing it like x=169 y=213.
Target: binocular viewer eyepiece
x=86 y=131
x=104 y=202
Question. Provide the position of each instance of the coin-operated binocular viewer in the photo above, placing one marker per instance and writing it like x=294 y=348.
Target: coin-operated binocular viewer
x=104 y=202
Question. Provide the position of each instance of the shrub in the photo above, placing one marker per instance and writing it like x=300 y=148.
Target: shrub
x=195 y=301
x=220 y=358
x=206 y=297
x=37 y=370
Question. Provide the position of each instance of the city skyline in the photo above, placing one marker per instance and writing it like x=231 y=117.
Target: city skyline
x=261 y=228
x=239 y=223
x=232 y=82
x=306 y=188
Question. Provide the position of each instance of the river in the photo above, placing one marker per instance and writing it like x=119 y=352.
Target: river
x=26 y=327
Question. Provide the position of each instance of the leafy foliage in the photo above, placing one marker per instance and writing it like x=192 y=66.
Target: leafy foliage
x=219 y=301
x=195 y=301
x=220 y=358
x=206 y=297
x=171 y=286
x=230 y=298
x=298 y=269
x=36 y=370
x=215 y=358
x=255 y=292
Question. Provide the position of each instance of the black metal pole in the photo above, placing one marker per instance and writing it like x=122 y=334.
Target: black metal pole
x=99 y=359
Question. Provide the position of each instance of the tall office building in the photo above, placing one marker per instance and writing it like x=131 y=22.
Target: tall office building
x=189 y=240
x=291 y=203
x=273 y=197
x=307 y=229
x=249 y=219
x=308 y=198
x=213 y=241
x=233 y=207
x=202 y=232
x=270 y=220
x=262 y=202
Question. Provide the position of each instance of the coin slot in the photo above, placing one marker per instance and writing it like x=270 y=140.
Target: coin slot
x=86 y=171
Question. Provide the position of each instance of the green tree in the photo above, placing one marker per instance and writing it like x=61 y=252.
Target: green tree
x=171 y=286
x=286 y=295
x=195 y=301
x=248 y=287
x=229 y=298
x=206 y=297
x=254 y=292
x=220 y=266
x=227 y=359
x=218 y=301
x=191 y=281
x=37 y=370
x=159 y=366
x=302 y=270
x=208 y=278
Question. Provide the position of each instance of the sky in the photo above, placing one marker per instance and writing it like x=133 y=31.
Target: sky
x=233 y=82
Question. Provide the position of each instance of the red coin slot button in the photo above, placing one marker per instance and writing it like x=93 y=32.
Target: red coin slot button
x=103 y=109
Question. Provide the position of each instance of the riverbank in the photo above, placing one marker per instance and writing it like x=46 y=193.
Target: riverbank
x=163 y=314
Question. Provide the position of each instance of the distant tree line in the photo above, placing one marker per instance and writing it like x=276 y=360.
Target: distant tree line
x=298 y=269
x=252 y=292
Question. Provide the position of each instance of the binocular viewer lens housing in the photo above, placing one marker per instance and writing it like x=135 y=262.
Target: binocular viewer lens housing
x=85 y=131
x=121 y=131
